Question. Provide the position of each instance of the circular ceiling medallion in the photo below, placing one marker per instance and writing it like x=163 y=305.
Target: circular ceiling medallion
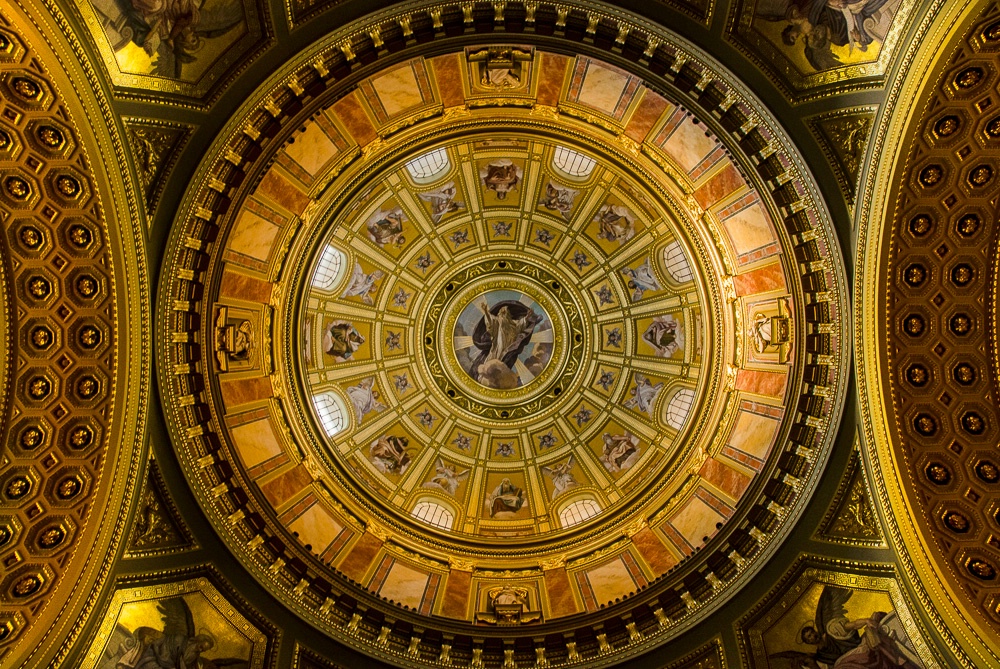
x=502 y=338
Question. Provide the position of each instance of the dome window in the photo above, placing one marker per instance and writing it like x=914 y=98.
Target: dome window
x=331 y=412
x=677 y=263
x=679 y=408
x=573 y=163
x=434 y=514
x=428 y=166
x=578 y=511
x=330 y=268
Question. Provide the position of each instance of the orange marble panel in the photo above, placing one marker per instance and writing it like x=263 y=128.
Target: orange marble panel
x=352 y=114
x=285 y=486
x=646 y=114
x=761 y=280
x=727 y=181
x=360 y=557
x=455 y=600
x=656 y=555
x=243 y=287
x=282 y=192
x=761 y=383
x=550 y=79
x=560 y=594
x=243 y=391
x=725 y=478
x=448 y=72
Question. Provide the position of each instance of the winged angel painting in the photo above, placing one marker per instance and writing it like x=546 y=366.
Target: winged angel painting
x=177 y=643
x=874 y=642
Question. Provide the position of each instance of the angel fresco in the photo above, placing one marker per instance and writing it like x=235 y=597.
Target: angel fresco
x=363 y=285
x=558 y=198
x=506 y=498
x=822 y=24
x=446 y=478
x=365 y=398
x=178 y=645
x=172 y=32
x=385 y=228
x=643 y=396
x=501 y=176
x=341 y=339
x=442 y=201
x=561 y=475
x=876 y=642
x=640 y=279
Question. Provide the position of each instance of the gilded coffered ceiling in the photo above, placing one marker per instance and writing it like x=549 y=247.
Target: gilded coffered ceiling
x=498 y=334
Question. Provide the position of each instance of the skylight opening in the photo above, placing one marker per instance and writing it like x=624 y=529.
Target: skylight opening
x=429 y=166
x=679 y=408
x=434 y=514
x=677 y=263
x=330 y=268
x=578 y=511
x=573 y=163
x=332 y=413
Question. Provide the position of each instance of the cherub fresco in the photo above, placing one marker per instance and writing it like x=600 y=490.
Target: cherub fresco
x=501 y=176
x=385 y=228
x=389 y=454
x=446 y=477
x=558 y=198
x=876 y=642
x=178 y=644
x=506 y=498
x=362 y=285
x=665 y=334
x=442 y=201
x=341 y=340
x=620 y=451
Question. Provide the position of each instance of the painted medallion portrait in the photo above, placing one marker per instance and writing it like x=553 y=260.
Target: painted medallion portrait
x=503 y=339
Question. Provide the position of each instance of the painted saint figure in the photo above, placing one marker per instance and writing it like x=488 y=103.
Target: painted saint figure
x=341 y=340
x=641 y=279
x=643 y=396
x=616 y=223
x=501 y=335
x=506 y=498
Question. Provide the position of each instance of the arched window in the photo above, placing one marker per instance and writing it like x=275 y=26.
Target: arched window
x=677 y=263
x=578 y=511
x=330 y=268
x=679 y=408
x=331 y=411
x=573 y=163
x=434 y=514
x=429 y=165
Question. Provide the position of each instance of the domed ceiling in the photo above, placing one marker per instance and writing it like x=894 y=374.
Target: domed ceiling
x=500 y=367
x=498 y=335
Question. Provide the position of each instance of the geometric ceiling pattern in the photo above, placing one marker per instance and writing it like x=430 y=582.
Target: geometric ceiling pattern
x=498 y=334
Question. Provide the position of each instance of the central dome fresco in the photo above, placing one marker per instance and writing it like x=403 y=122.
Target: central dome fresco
x=501 y=336
x=502 y=355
